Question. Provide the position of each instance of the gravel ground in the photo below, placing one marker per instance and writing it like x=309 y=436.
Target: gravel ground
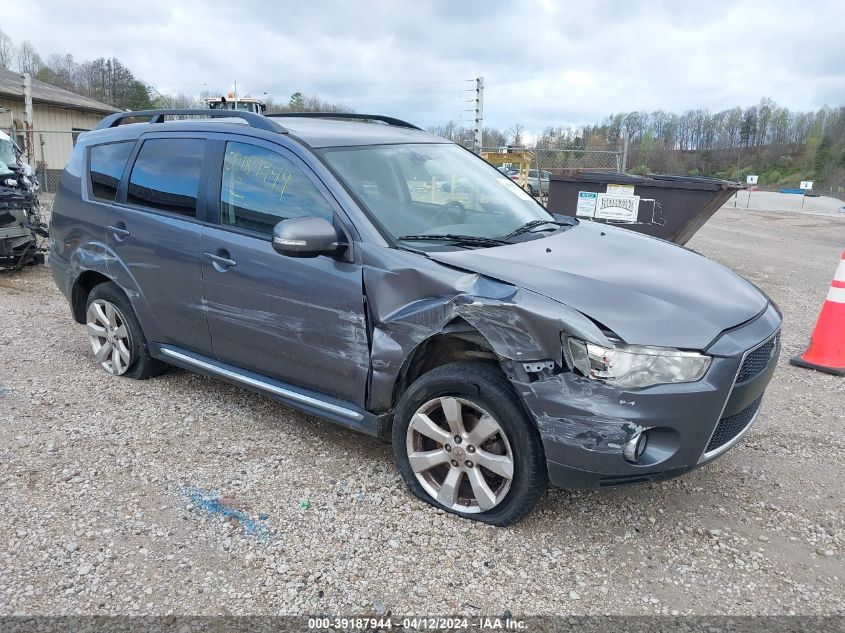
x=184 y=495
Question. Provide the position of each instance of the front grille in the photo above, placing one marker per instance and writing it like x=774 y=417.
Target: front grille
x=757 y=360
x=731 y=426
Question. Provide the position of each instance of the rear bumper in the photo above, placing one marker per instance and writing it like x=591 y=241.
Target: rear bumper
x=59 y=269
x=584 y=424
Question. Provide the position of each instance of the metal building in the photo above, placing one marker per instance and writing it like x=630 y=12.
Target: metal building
x=58 y=117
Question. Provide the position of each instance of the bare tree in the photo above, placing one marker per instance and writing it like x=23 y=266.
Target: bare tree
x=515 y=134
x=178 y=101
x=29 y=61
x=61 y=71
x=7 y=51
x=494 y=137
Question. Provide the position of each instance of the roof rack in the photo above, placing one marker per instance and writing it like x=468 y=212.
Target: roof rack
x=347 y=115
x=252 y=119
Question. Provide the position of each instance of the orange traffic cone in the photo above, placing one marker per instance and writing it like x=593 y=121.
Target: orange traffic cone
x=827 y=343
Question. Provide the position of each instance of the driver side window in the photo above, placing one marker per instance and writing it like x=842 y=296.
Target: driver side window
x=260 y=188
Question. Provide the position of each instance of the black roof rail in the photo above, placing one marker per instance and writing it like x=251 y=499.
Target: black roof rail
x=257 y=121
x=352 y=116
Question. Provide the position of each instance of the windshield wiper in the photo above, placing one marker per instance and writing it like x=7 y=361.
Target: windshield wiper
x=458 y=239
x=526 y=228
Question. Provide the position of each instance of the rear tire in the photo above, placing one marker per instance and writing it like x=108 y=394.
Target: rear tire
x=118 y=342
x=463 y=443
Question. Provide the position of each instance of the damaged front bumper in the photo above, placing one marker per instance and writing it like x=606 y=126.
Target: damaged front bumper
x=585 y=424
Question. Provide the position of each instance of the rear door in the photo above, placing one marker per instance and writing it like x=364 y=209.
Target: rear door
x=154 y=233
x=297 y=320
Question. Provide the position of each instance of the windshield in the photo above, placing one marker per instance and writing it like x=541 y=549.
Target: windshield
x=428 y=189
x=7 y=152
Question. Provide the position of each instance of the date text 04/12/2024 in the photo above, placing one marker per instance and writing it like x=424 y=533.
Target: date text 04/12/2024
x=416 y=624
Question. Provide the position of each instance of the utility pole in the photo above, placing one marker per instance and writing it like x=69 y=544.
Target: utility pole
x=27 y=114
x=479 y=114
x=624 y=166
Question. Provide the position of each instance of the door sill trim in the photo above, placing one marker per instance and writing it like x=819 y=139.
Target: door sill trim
x=262 y=385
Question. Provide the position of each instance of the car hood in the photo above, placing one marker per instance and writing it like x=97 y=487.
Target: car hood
x=647 y=291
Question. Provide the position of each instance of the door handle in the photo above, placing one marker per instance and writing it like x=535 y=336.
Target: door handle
x=119 y=232
x=220 y=262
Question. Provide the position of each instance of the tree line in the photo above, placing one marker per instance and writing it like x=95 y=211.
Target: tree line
x=104 y=79
x=781 y=145
x=766 y=123
x=109 y=81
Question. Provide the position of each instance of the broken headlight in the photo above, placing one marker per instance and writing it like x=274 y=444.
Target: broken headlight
x=634 y=366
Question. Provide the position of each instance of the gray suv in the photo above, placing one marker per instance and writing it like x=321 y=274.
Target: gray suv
x=320 y=261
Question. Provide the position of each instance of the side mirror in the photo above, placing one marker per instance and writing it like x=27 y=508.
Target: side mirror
x=306 y=237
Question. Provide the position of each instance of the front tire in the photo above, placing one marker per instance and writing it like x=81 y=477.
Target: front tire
x=463 y=443
x=116 y=337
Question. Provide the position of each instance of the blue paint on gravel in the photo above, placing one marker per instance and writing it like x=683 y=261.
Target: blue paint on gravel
x=4 y=391
x=209 y=501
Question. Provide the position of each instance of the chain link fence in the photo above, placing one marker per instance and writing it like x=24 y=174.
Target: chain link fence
x=47 y=152
x=564 y=161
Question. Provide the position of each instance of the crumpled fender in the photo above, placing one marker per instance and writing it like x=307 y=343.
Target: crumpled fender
x=88 y=257
x=518 y=324
x=99 y=257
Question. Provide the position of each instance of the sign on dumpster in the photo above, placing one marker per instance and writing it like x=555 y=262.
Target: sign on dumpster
x=620 y=190
x=586 y=204
x=617 y=208
x=806 y=184
x=750 y=180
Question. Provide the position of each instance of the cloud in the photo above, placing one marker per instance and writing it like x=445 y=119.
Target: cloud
x=544 y=62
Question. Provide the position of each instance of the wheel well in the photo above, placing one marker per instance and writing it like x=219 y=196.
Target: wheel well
x=81 y=289
x=458 y=344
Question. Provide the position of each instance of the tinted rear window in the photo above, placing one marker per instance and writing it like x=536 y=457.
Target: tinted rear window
x=166 y=175
x=107 y=165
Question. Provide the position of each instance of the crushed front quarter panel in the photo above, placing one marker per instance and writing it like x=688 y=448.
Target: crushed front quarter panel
x=411 y=298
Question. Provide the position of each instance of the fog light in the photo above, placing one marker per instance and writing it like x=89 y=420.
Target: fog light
x=634 y=447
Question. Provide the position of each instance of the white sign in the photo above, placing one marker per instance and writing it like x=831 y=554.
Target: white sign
x=620 y=190
x=750 y=180
x=806 y=184
x=586 y=204
x=619 y=208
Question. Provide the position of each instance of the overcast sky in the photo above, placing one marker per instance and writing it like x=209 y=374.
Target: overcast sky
x=544 y=62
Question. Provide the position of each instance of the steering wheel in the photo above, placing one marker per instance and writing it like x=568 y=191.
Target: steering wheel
x=453 y=206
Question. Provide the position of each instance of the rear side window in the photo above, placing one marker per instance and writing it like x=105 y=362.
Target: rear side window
x=107 y=165
x=166 y=175
x=261 y=188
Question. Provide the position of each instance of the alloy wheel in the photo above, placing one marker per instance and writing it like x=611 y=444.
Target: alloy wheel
x=460 y=454
x=109 y=336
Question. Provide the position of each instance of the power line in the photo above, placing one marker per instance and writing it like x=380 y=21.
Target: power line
x=305 y=87
x=371 y=83
x=418 y=92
